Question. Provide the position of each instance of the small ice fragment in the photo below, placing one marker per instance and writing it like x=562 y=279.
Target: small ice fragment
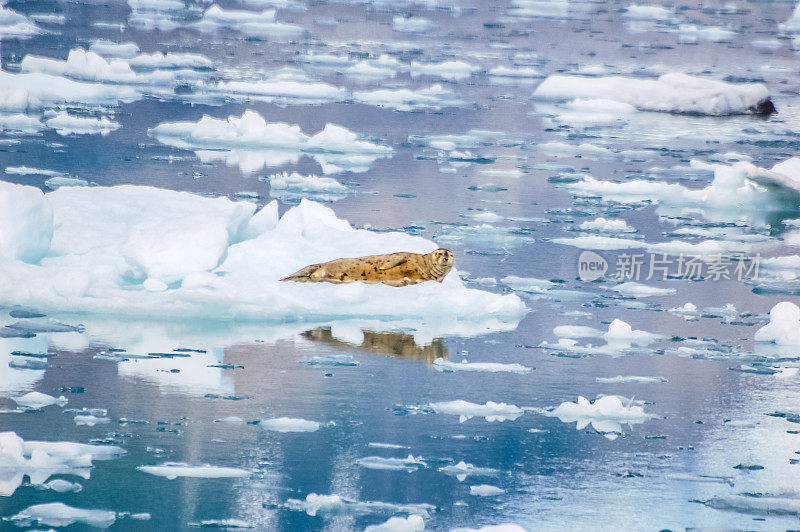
x=287 y=424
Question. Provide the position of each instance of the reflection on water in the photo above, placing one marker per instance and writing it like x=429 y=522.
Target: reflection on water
x=384 y=343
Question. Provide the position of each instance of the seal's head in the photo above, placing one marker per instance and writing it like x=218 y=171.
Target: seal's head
x=441 y=262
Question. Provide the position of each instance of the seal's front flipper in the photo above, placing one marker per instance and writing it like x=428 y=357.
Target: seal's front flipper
x=391 y=262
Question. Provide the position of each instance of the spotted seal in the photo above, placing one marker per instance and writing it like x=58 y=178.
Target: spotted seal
x=394 y=269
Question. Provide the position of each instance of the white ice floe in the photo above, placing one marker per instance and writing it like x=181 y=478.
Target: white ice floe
x=766 y=505
x=620 y=379
x=642 y=12
x=125 y=50
x=485 y=490
x=634 y=289
x=157 y=60
x=216 y=259
x=16 y=25
x=527 y=284
x=462 y=470
x=450 y=70
x=20 y=123
x=619 y=333
x=41 y=460
x=173 y=470
x=64 y=181
x=59 y=515
x=688 y=311
x=432 y=98
x=39 y=400
x=288 y=424
x=412 y=523
x=294 y=186
x=412 y=24
x=783 y=327
x=409 y=464
x=741 y=191
x=67 y=124
x=252 y=23
x=607 y=414
x=23 y=92
x=490 y=411
x=26 y=170
x=693 y=33
x=334 y=504
x=260 y=143
x=603 y=225
x=443 y=365
x=512 y=73
x=282 y=87
x=671 y=93
x=63 y=486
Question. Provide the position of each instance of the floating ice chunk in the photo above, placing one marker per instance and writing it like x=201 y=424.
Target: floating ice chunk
x=27 y=221
x=63 y=486
x=443 y=365
x=462 y=470
x=25 y=170
x=334 y=504
x=173 y=470
x=83 y=65
x=620 y=331
x=67 y=124
x=792 y=24
x=488 y=217
x=540 y=8
x=634 y=289
x=170 y=60
x=16 y=25
x=514 y=73
x=60 y=515
x=39 y=400
x=603 y=225
x=766 y=505
x=283 y=87
x=392 y=464
x=20 y=123
x=671 y=93
x=295 y=186
x=490 y=411
x=412 y=24
x=701 y=478
x=289 y=424
x=606 y=414
x=658 y=13
x=619 y=379
x=21 y=92
x=64 y=181
x=256 y=24
x=125 y=50
x=527 y=284
x=335 y=148
x=412 y=523
x=693 y=33
x=432 y=98
x=485 y=490
x=783 y=327
x=450 y=70
x=378 y=445
x=232 y=420
x=90 y=420
x=40 y=460
x=577 y=331
x=331 y=360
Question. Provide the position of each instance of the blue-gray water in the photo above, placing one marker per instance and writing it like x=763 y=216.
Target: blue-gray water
x=709 y=418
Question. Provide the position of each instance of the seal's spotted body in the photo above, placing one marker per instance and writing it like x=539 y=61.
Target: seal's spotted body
x=395 y=269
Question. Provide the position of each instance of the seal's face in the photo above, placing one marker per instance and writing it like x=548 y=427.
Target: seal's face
x=442 y=262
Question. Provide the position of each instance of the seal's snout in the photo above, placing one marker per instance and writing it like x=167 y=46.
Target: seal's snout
x=765 y=107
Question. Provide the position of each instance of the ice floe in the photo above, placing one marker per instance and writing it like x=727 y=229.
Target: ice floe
x=412 y=24
x=603 y=225
x=490 y=411
x=412 y=523
x=432 y=98
x=783 y=327
x=462 y=470
x=450 y=70
x=620 y=379
x=409 y=464
x=40 y=460
x=607 y=414
x=30 y=91
x=315 y=504
x=59 y=515
x=288 y=424
x=124 y=50
x=39 y=400
x=67 y=124
x=251 y=23
x=671 y=93
x=173 y=470
x=16 y=25
x=485 y=490
x=260 y=143
x=282 y=87
x=293 y=187
x=443 y=365
x=505 y=527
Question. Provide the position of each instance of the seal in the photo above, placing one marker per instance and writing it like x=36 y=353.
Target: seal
x=394 y=269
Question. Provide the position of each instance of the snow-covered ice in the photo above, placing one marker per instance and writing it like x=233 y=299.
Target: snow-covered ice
x=485 y=490
x=59 y=515
x=288 y=424
x=443 y=365
x=607 y=414
x=783 y=327
x=412 y=523
x=334 y=504
x=173 y=470
x=490 y=411
x=39 y=400
x=670 y=93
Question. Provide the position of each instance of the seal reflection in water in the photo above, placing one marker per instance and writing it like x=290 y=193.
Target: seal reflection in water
x=385 y=343
x=394 y=269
